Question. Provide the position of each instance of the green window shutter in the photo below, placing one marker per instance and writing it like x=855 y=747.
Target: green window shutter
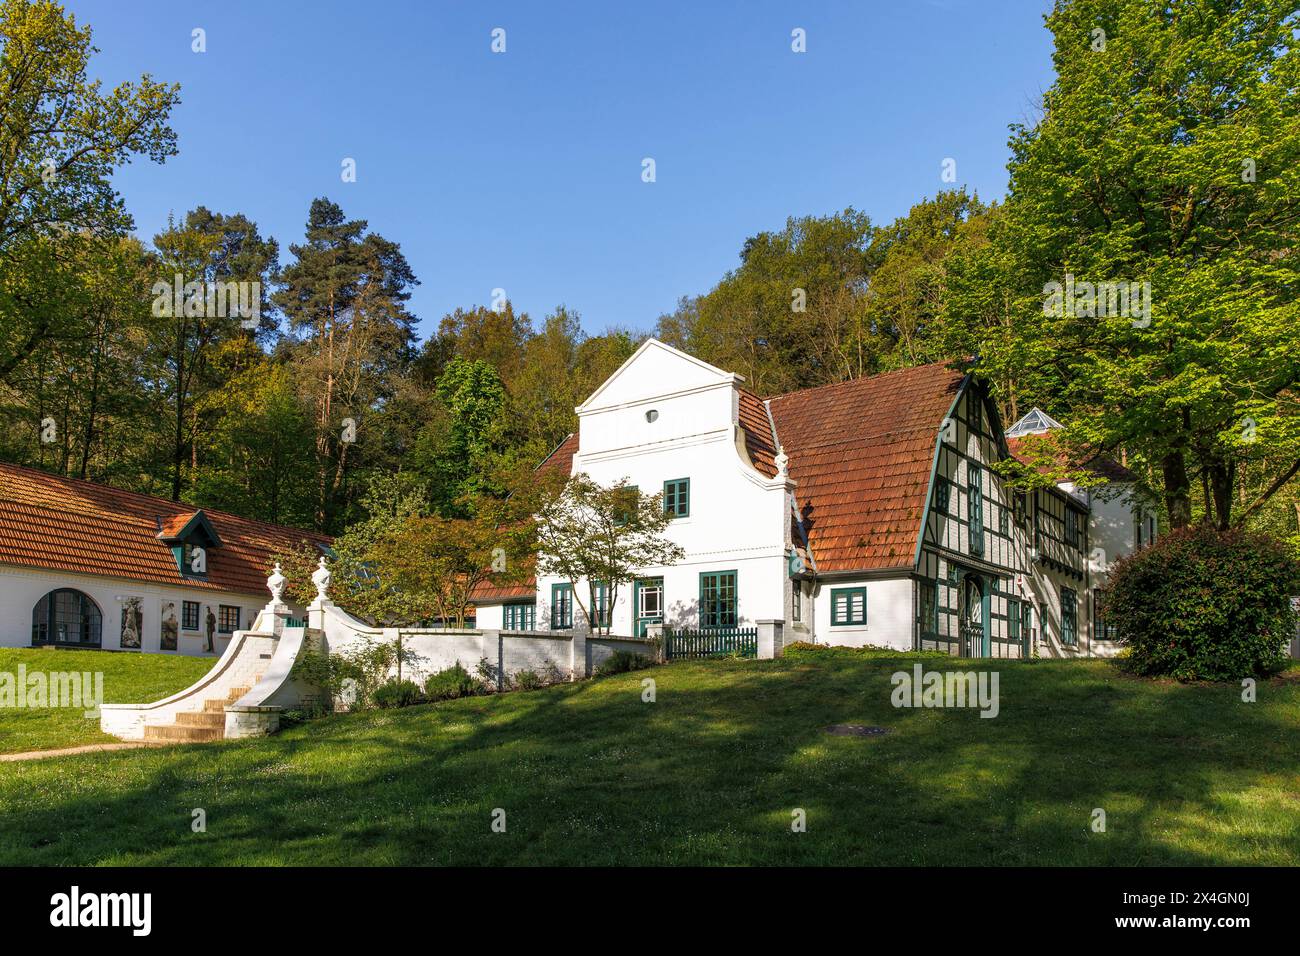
x=718 y=602
x=677 y=497
x=601 y=611
x=1013 y=619
x=561 y=607
x=848 y=607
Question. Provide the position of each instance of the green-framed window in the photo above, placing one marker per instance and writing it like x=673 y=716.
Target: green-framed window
x=1026 y=621
x=942 y=494
x=1013 y=619
x=975 y=411
x=929 y=607
x=1004 y=521
x=630 y=500
x=848 y=607
x=1069 y=617
x=1073 y=521
x=561 y=607
x=601 y=611
x=677 y=497
x=718 y=599
x=796 y=600
x=519 y=616
x=975 y=509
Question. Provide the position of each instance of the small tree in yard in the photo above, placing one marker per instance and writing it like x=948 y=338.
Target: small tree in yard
x=444 y=559
x=604 y=534
x=1201 y=604
x=359 y=581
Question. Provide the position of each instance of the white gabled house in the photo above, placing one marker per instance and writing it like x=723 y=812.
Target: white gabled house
x=865 y=512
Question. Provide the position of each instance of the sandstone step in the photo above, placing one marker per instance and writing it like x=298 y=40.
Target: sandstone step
x=179 y=734
x=201 y=718
x=237 y=693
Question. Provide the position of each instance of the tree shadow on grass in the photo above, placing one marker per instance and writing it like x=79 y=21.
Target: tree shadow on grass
x=711 y=772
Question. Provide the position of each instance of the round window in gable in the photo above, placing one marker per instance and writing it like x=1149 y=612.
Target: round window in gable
x=652 y=416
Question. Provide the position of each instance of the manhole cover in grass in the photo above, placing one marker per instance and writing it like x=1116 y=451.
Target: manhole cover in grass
x=855 y=730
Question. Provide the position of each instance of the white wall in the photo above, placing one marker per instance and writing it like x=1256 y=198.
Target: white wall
x=889 y=613
x=21 y=588
x=739 y=519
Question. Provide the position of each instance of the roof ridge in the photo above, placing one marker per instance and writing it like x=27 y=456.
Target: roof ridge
x=865 y=378
x=181 y=506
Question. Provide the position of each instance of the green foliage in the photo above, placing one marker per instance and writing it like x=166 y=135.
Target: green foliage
x=527 y=680
x=1201 y=604
x=62 y=137
x=1167 y=153
x=353 y=676
x=452 y=682
x=620 y=662
x=398 y=693
x=469 y=442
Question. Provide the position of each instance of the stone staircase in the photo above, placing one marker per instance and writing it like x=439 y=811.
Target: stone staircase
x=195 y=726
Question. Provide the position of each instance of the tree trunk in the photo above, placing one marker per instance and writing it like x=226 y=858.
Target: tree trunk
x=1178 y=498
x=1222 y=477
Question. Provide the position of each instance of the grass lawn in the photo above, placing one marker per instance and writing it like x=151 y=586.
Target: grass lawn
x=128 y=679
x=707 y=774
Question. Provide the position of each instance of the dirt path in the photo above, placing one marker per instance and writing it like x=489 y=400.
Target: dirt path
x=65 y=751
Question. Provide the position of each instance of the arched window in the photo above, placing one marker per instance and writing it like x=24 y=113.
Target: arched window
x=66 y=616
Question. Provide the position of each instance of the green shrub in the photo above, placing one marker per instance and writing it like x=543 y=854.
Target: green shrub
x=397 y=693
x=1201 y=604
x=451 y=683
x=527 y=680
x=620 y=662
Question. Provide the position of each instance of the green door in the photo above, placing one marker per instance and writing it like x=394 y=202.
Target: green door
x=974 y=617
x=647 y=604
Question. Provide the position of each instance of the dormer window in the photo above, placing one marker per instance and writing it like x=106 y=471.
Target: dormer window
x=191 y=538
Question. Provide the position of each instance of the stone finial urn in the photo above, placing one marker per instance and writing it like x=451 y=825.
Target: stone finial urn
x=275 y=583
x=782 y=463
x=321 y=578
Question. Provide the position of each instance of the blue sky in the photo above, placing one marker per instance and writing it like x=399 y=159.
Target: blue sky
x=522 y=170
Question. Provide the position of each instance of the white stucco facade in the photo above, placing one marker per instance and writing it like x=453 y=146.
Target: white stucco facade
x=666 y=417
x=22 y=588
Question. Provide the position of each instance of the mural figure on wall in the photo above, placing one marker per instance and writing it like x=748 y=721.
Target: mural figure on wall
x=211 y=627
x=132 y=621
x=170 y=626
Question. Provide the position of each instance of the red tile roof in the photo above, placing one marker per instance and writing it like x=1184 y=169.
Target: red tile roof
x=757 y=428
x=562 y=457
x=860 y=454
x=70 y=525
